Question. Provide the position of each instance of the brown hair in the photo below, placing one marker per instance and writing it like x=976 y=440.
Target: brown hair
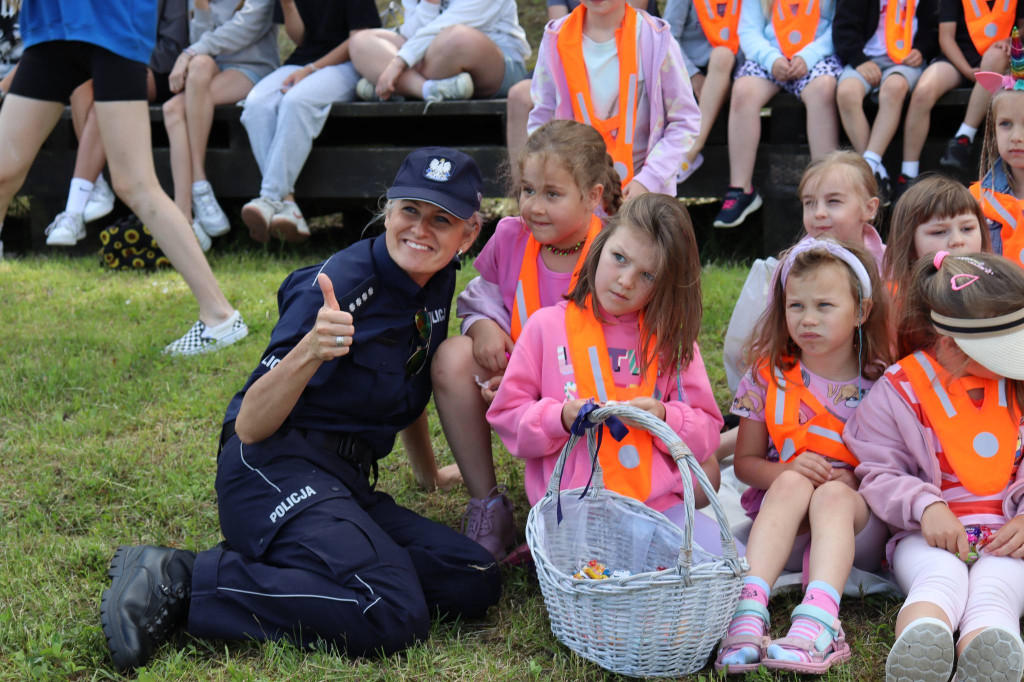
x=850 y=162
x=673 y=311
x=581 y=151
x=989 y=148
x=991 y=295
x=932 y=196
x=773 y=343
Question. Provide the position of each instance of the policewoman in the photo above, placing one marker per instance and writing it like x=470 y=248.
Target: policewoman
x=313 y=551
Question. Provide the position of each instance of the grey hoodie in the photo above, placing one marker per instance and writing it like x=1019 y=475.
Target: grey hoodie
x=243 y=38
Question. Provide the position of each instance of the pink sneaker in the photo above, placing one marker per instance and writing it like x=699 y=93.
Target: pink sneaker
x=489 y=522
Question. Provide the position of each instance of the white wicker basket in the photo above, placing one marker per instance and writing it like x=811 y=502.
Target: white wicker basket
x=655 y=623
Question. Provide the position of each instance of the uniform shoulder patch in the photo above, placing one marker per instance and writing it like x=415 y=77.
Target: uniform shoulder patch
x=358 y=296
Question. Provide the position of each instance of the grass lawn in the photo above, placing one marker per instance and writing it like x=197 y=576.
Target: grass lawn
x=105 y=441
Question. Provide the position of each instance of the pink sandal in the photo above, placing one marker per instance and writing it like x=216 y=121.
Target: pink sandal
x=745 y=607
x=827 y=649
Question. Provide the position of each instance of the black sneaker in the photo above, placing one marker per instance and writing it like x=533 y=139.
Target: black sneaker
x=958 y=154
x=736 y=206
x=147 y=601
x=899 y=187
x=884 y=189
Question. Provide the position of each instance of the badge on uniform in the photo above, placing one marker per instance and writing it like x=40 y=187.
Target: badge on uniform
x=358 y=295
x=440 y=170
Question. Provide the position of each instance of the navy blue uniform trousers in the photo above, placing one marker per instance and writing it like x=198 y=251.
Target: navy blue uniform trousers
x=314 y=554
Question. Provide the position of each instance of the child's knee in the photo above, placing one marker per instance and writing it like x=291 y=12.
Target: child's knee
x=894 y=89
x=819 y=92
x=791 y=484
x=721 y=58
x=850 y=94
x=833 y=497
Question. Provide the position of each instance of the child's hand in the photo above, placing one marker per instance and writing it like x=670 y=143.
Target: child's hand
x=846 y=476
x=797 y=68
x=489 y=388
x=389 y=77
x=913 y=58
x=942 y=529
x=1002 y=46
x=491 y=345
x=633 y=189
x=871 y=73
x=570 y=409
x=780 y=69
x=812 y=466
x=648 y=404
x=1008 y=540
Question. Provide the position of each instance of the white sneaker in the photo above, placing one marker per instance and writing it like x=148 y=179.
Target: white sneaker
x=257 y=215
x=208 y=212
x=101 y=201
x=204 y=239
x=202 y=339
x=288 y=223
x=456 y=87
x=65 y=230
x=366 y=91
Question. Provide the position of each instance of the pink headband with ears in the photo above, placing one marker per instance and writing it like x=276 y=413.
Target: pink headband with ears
x=994 y=82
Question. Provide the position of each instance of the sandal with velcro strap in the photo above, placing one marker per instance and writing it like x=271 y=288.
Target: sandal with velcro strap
x=825 y=650
x=745 y=607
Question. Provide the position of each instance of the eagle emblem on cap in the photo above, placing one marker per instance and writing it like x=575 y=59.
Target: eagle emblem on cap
x=440 y=170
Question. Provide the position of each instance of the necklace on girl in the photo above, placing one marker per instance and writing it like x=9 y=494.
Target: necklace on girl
x=565 y=252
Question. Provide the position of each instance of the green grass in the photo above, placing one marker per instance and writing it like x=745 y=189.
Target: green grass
x=104 y=441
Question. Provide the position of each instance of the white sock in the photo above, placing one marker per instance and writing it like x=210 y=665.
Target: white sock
x=910 y=168
x=78 y=195
x=967 y=130
x=100 y=181
x=875 y=161
x=428 y=88
x=201 y=186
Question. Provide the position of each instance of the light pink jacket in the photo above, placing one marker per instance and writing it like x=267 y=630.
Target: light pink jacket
x=674 y=116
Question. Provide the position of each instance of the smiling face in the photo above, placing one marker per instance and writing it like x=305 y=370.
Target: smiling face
x=835 y=207
x=423 y=238
x=960 y=234
x=1008 y=110
x=821 y=311
x=551 y=204
x=626 y=271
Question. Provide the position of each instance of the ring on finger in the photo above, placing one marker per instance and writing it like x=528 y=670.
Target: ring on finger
x=340 y=341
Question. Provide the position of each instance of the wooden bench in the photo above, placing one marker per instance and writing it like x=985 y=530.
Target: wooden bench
x=362 y=145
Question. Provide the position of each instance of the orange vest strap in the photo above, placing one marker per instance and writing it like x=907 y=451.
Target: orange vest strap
x=795 y=24
x=720 y=21
x=985 y=25
x=899 y=29
x=1008 y=211
x=570 y=50
x=627 y=463
x=527 y=298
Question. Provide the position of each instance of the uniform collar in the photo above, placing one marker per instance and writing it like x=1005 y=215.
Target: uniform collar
x=394 y=277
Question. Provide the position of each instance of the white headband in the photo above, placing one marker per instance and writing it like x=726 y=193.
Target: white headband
x=837 y=250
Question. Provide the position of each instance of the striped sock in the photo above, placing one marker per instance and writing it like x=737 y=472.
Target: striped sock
x=822 y=595
x=757 y=590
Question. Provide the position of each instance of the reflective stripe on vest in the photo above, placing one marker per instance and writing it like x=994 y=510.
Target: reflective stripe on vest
x=980 y=443
x=1008 y=211
x=795 y=24
x=822 y=433
x=719 y=21
x=570 y=50
x=527 y=298
x=627 y=463
x=899 y=30
x=986 y=26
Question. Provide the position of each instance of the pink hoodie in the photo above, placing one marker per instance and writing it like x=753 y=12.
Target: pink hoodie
x=527 y=411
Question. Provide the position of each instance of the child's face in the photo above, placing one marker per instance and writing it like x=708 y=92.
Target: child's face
x=960 y=234
x=1008 y=110
x=626 y=271
x=550 y=203
x=603 y=7
x=834 y=207
x=821 y=312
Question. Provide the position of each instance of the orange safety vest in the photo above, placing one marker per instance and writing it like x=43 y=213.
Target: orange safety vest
x=1008 y=211
x=822 y=433
x=626 y=464
x=720 y=23
x=899 y=30
x=795 y=24
x=985 y=25
x=570 y=50
x=979 y=443
x=527 y=298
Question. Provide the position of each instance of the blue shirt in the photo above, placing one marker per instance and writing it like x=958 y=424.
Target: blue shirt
x=365 y=392
x=125 y=27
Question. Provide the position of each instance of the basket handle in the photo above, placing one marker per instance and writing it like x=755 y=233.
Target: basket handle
x=684 y=459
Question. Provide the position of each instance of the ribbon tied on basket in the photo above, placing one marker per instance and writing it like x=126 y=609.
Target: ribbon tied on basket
x=579 y=429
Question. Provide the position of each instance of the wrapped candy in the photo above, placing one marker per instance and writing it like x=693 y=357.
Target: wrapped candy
x=595 y=570
x=978 y=535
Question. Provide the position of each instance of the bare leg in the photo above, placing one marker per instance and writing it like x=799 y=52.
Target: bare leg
x=749 y=94
x=370 y=51
x=977 y=105
x=91 y=158
x=24 y=126
x=937 y=80
x=819 y=99
x=712 y=95
x=921 y=609
x=81 y=103
x=837 y=514
x=459 y=49
x=181 y=157
x=518 y=114
x=420 y=452
x=124 y=128
x=205 y=87
x=778 y=523
x=850 y=99
x=890 y=106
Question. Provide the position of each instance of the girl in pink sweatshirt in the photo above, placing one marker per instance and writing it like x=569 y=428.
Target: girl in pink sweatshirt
x=939 y=446
x=634 y=314
x=565 y=175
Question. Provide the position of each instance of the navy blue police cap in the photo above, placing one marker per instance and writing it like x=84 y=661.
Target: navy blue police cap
x=441 y=176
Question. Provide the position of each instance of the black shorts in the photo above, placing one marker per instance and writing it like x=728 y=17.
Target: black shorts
x=50 y=71
x=163 y=87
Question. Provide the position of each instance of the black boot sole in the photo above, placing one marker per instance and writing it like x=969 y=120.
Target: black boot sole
x=120 y=566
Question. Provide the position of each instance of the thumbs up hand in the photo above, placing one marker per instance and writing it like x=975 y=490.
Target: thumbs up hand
x=331 y=335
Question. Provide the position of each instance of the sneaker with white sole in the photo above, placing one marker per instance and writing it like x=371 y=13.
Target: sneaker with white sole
x=208 y=212
x=288 y=223
x=688 y=168
x=456 y=87
x=202 y=339
x=101 y=201
x=736 y=206
x=257 y=215
x=67 y=229
x=366 y=91
x=204 y=239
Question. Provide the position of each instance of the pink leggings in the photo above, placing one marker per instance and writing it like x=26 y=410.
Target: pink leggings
x=989 y=594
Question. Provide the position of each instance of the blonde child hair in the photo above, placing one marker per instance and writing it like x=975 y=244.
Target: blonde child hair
x=989 y=150
x=856 y=168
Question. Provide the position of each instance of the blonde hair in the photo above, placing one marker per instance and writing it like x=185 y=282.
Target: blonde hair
x=773 y=344
x=673 y=311
x=850 y=162
x=989 y=148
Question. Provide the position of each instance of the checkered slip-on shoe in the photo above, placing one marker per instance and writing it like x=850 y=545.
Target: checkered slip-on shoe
x=202 y=339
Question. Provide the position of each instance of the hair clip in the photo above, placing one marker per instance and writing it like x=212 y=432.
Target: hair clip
x=962 y=280
x=939 y=257
x=976 y=263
